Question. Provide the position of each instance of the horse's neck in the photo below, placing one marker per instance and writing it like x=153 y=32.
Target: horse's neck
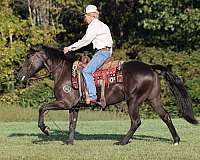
x=59 y=68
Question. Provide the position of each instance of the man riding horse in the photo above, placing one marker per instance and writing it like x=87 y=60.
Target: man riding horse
x=99 y=34
x=141 y=82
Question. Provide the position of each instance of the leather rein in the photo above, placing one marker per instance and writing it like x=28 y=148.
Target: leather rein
x=50 y=70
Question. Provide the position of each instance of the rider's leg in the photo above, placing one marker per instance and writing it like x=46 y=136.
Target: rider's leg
x=97 y=60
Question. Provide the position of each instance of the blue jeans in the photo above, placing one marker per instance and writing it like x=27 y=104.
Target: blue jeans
x=97 y=60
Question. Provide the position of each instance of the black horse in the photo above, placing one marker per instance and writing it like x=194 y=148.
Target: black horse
x=141 y=83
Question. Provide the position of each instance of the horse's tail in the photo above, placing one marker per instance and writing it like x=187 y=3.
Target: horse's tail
x=182 y=97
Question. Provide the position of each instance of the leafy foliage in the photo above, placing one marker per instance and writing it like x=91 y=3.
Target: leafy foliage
x=32 y=96
x=156 y=31
x=170 y=23
x=36 y=95
x=16 y=36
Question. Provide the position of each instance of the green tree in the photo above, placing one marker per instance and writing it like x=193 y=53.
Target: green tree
x=169 y=23
x=16 y=36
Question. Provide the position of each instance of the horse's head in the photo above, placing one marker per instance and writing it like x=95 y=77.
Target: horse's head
x=34 y=61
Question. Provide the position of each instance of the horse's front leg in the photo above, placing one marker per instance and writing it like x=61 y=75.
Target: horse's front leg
x=73 y=116
x=57 y=105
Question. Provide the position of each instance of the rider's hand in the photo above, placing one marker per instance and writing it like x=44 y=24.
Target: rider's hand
x=66 y=50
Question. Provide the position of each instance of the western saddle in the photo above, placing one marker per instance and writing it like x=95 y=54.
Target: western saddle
x=109 y=73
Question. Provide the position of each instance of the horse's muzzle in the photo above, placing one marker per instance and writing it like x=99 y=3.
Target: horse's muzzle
x=19 y=75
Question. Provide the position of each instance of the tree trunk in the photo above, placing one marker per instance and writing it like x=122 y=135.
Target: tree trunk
x=30 y=13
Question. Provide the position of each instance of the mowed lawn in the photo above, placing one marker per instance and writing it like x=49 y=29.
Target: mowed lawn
x=95 y=140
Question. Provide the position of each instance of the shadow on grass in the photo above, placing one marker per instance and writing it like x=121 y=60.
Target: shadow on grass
x=57 y=135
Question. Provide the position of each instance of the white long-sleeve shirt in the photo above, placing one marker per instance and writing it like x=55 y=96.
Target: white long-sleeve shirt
x=98 y=33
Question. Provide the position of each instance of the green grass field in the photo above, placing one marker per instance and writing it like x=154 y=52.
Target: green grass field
x=23 y=140
x=96 y=133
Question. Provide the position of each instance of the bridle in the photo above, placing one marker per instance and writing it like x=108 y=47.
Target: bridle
x=50 y=70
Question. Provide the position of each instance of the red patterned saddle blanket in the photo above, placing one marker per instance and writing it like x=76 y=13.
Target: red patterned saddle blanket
x=109 y=73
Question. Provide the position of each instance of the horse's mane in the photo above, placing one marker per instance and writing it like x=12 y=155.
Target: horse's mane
x=54 y=53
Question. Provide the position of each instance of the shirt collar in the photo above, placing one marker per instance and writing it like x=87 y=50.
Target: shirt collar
x=93 y=21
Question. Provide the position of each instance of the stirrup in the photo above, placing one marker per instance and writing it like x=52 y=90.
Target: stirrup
x=91 y=101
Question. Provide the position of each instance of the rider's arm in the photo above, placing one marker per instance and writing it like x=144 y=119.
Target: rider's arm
x=87 y=39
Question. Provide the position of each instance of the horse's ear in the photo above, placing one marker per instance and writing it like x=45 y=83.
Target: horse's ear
x=37 y=47
x=169 y=67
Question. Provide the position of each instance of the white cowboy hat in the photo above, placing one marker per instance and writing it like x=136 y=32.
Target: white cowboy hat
x=91 y=9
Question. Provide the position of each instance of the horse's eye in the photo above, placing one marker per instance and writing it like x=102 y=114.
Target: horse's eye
x=29 y=55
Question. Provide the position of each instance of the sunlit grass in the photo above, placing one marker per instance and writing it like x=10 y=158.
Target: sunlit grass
x=94 y=140
x=96 y=133
x=16 y=113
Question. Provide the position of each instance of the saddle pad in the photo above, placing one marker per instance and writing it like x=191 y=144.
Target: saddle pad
x=109 y=73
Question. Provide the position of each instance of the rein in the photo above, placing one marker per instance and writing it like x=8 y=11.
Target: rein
x=40 y=77
x=56 y=125
x=50 y=70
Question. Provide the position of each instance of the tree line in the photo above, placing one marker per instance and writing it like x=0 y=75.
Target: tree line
x=154 y=31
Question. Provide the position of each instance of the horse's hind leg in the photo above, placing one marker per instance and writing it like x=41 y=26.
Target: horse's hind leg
x=156 y=105
x=133 y=110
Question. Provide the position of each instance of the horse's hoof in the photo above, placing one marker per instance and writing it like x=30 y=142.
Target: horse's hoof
x=120 y=143
x=176 y=141
x=176 y=144
x=45 y=130
x=70 y=142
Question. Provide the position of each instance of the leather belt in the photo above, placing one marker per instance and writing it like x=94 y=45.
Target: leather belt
x=104 y=49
